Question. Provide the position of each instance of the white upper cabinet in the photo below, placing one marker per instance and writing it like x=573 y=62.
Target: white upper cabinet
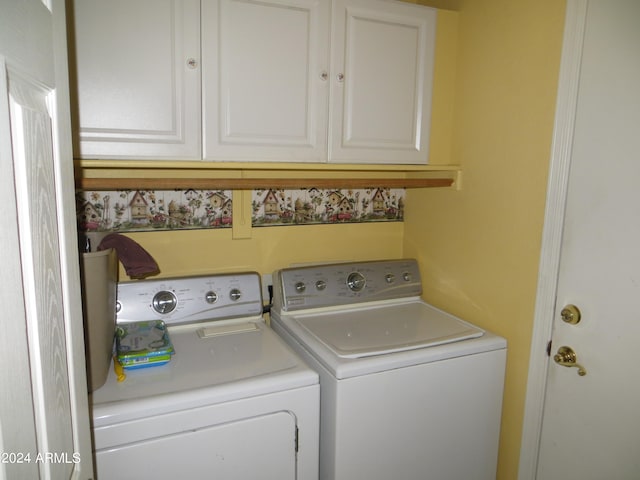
x=382 y=70
x=311 y=80
x=138 y=78
x=345 y=81
x=265 y=85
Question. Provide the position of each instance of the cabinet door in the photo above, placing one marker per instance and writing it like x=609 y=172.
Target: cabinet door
x=138 y=93
x=382 y=68
x=265 y=88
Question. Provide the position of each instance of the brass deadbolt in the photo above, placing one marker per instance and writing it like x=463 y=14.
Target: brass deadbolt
x=571 y=314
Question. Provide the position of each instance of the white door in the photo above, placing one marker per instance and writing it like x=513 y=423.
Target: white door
x=265 y=79
x=44 y=420
x=591 y=424
x=381 y=80
x=137 y=71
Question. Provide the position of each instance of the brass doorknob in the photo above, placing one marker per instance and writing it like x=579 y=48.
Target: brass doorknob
x=570 y=314
x=568 y=358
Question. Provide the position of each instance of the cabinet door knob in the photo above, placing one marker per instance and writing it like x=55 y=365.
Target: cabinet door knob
x=192 y=63
x=324 y=76
x=340 y=77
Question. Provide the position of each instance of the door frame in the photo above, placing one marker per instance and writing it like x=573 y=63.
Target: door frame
x=549 y=267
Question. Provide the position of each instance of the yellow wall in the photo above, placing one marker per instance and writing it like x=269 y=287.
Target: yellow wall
x=193 y=252
x=269 y=248
x=479 y=247
x=494 y=97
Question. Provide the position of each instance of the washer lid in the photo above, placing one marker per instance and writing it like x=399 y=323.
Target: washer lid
x=368 y=331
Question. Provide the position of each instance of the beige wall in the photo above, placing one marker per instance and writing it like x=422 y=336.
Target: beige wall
x=479 y=247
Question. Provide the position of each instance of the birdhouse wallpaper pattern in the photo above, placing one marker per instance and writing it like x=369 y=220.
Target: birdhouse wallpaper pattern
x=156 y=210
x=309 y=206
x=141 y=210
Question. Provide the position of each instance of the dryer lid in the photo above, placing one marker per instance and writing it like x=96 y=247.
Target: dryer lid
x=205 y=370
x=368 y=331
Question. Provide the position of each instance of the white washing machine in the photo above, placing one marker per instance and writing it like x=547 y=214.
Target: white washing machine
x=407 y=391
x=234 y=402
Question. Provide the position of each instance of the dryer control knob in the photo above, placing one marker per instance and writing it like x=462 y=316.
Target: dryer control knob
x=300 y=287
x=390 y=278
x=406 y=276
x=164 y=302
x=235 y=294
x=211 y=297
x=356 y=281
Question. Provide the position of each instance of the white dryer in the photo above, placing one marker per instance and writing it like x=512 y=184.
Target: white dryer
x=407 y=391
x=234 y=402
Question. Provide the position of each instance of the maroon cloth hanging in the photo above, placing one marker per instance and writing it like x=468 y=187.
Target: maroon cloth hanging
x=137 y=262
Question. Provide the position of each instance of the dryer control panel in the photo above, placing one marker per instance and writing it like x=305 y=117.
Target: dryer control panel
x=345 y=283
x=190 y=299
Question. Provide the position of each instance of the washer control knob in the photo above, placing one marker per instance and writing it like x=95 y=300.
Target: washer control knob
x=390 y=278
x=164 y=302
x=235 y=294
x=211 y=297
x=356 y=281
x=406 y=276
x=321 y=285
x=300 y=287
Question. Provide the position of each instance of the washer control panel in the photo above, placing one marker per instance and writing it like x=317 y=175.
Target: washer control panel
x=345 y=283
x=190 y=299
